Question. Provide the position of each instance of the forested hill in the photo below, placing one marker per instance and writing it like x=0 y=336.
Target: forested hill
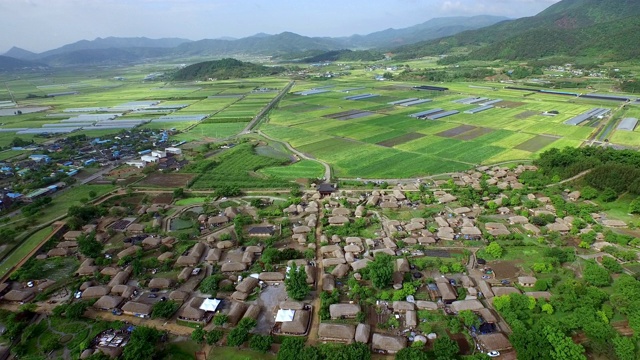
x=225 y=69
x=570 y=27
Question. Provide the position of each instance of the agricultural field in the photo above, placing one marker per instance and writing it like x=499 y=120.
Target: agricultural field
x=370 y=138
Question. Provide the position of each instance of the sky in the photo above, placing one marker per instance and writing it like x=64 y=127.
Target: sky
x=39 y=25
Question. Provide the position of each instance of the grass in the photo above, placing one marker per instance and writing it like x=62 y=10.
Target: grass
x=22 y=250
x=304 y=169
x=190 y=201
x=228 y=353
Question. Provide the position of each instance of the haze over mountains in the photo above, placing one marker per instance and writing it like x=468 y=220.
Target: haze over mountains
x=605 y=29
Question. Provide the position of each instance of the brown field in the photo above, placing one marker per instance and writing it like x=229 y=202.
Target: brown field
x=164 y=199
x=504 y=269
x=509 y=104
x=456 y=131
x=477 y=132
x=525 y=115
x=166 y=180
x=537 y=143
x=401 y=139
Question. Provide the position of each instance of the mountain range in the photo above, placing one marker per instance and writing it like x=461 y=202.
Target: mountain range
x=604 y=29
x=119 y=50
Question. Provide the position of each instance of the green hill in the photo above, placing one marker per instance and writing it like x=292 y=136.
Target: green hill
x=225 y=69
x=570 y=27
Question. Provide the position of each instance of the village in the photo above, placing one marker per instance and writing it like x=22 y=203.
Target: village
x=388 y=267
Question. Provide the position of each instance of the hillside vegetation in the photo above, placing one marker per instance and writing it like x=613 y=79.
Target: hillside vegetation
x=225 y=69
x=601 y=28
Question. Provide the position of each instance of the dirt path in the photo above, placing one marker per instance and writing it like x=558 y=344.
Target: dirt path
x=571 y=178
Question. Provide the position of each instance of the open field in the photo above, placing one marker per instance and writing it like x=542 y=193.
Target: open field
x=515 y=129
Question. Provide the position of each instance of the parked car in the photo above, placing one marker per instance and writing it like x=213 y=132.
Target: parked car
x=78 y=294
x=493 y=353
x=153 y=296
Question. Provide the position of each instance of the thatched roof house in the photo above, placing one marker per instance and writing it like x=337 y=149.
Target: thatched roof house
x=108 y=302
x=344 y=311
x=389 y=344
x=344 y=333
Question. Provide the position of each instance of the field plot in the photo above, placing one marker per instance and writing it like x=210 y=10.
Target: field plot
x=166 y=180
x=455 y=132
x=305 y=169
x=537 y=143
x=238 y=167
x=401 y=139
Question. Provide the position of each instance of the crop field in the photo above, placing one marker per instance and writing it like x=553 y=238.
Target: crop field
x=238 y=167
x=305 y=169
x=166 y=180
x=332 y=129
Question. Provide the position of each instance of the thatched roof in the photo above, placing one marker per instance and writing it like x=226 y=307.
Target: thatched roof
x=125 y=291
x=19 y=296
x=95 y=292
x=133 y=307
x=388 y=343
x=187 y=261
x=402 y=306
x=340 y=270
x=178 y=295
x=165 y=256
x=271 y=276
x=252 y=312
x=505 y=290
x=336 y=332
x=338 y=311
x=239 y=295
x=411 y=318
x=248 y=284
x=363 y=332
x=58 y=252
x=235 y=313
x=121 y=278
x=462 y=305
x=233 y=267
x=191 y=311
x=494 y=342
x=426 y=305
x=108 y=302
x=185 y=274
x=160 y=283
x=214 y=255
x=128 y=251
x=299 y=324
x=291 y=305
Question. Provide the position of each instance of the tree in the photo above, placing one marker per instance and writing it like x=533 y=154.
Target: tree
x=210 y=284
x=291 y=348
x=237 y=337
x=381 y=270
x=261 y=343
x=198 y=335
x=220 y=319
x=214 y=336
x=164 y=309
x=634 y=207
x=608 y=195
x=445 y=348
x=612 y=265
x=548 y=308
x=89 y=246
x=494 y=250
x=624 y=347
x=76 y=310
x=296 y=283
x=411 y=353
x=563 y=347
x=178 y=193
x=469 y=318
x=596 y=275
x=588 y=193
x=140 y=346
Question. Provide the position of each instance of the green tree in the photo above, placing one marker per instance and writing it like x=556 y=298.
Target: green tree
x=563 y=347
x=381 y=270
x=469 y=318
x=624 y=348
x=445 y=348
x=296 y=283
x=411 y=353
x=164 y=309
x=608 y=195
x=612 y=265
x=292 y=349
x=634 y=207
x=178 y=193
x=220 y=319
x=141 y=345
x=89 y=246
x=261 y=343
x=210 y=284
x=237 y=336
x=494 y=250
x=596 y=275
x=198 y=335
x=214 y=336
x=76 y=310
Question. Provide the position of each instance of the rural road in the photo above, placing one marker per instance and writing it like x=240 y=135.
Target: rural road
x=266 y=109
x=327 y=168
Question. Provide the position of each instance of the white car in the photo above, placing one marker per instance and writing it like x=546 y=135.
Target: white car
x=493 y=353
x=78 y=295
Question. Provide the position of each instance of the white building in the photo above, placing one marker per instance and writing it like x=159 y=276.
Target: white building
x=173 y=150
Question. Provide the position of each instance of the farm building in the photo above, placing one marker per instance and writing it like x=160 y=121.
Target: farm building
x=344 y=311
x=442 y=115
x=387 y=343
x=494 y=342
x=423 y=114
x=479 y=109
x=628 y=124
x=593 y=113
x=137 y=309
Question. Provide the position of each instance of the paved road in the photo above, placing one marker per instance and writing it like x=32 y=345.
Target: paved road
x=266 y=109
